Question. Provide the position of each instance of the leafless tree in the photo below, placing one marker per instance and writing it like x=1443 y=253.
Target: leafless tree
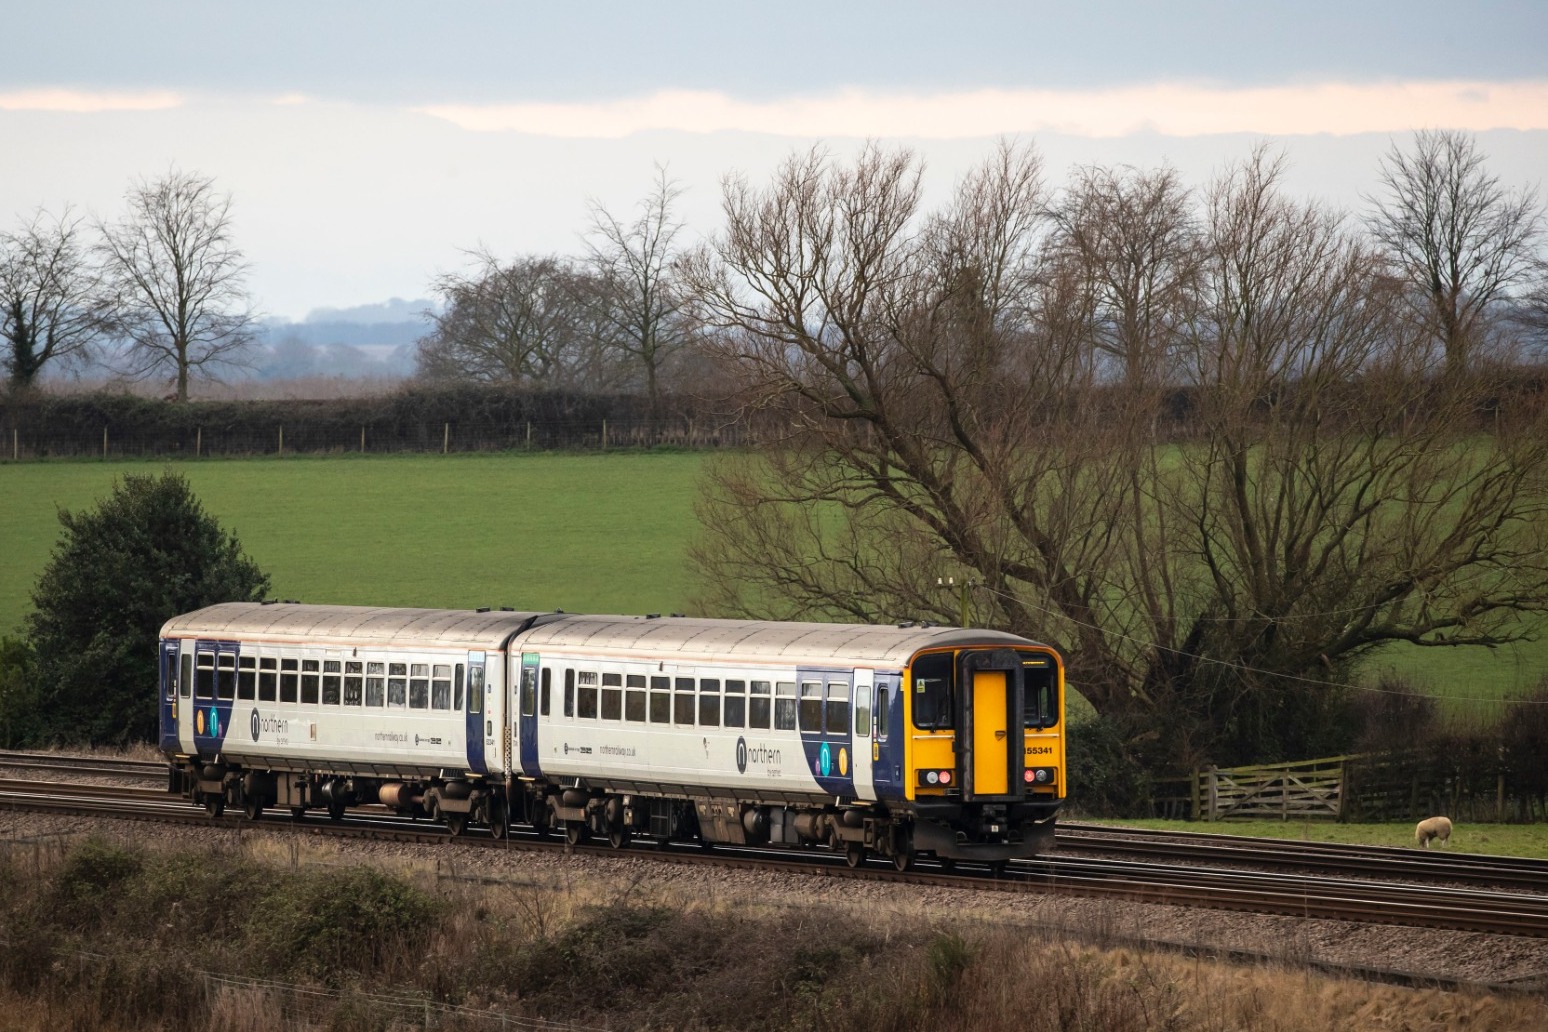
x=178 y=279
x=1459 y=238
x=634 y=262
x=51 y=294
x=531 y=322
x=939 y=404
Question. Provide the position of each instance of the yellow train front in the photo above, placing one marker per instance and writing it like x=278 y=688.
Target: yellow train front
x=983 y=752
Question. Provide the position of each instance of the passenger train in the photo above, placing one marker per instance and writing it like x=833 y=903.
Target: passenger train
x=893 y=741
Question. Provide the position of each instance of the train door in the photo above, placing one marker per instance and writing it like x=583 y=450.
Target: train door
x=888 y=739
x=169 y=707
x=479 y=728
x=823 y=716
x=185 y=703
x=863 y=721
x=987 y=714
x=531 y=662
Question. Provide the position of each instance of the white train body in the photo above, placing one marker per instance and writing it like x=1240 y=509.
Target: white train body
x=719 y=730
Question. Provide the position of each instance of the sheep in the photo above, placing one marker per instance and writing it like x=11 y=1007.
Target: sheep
x=1433 y=828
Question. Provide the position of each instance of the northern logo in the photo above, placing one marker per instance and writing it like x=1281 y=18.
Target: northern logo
x=253 y=723
x=741 y=756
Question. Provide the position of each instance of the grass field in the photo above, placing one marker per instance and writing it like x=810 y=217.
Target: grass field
x=1493 y=839
x=587 y=533
x=581 y=532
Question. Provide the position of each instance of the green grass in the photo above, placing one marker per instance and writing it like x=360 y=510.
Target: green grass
x=1529 y=840
x=584 y=533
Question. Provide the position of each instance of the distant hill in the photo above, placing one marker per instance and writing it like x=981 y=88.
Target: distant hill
x=374 y=340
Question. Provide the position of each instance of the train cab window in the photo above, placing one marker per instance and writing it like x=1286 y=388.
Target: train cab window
x=268 y=679
x=612 y=696
x=758 y=705
x=204 y=677
x=660 y=700
x=247 y=677
x=376 y=684
x=784 y=706
x=225 y=675
x=862 y=712
x=476 y=688
x=569 y=693
x=836 y=710
x=709 y=702
x=882 y=702
x=397 y=685
x=682 y=704
x=1040 y=693
x=186 y=682
x=811 y=706
x=310 y=682
x=634 y=698
x=734 y=709
x=290 y=681
x=933 y=692
x=458 y=680
x=354 y=684
x=546 y=690
x=529 y=676
x=585 y=693
x=419 y=686
x=332 y=682
x=440 y=686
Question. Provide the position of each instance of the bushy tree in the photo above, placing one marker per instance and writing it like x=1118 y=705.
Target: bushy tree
x=147 y=553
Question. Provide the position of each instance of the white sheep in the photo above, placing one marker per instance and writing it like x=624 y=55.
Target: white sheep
x=1433 y=828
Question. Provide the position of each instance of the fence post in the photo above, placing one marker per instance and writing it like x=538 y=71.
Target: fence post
x=445 y=437
x=362 y=440
x=104 y=442
x=1213 y=799
x=529 y=435
x=199 y=443
x=15 y=445
x=282 y=440
x=604 y=435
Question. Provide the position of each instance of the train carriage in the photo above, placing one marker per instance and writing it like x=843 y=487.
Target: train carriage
x=874 y=739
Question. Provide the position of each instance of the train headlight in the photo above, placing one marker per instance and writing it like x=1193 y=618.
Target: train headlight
x=935 y=778
x=932 y=778
x=1039 y=775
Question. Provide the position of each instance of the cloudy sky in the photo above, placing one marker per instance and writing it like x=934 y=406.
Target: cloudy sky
x=368 y=144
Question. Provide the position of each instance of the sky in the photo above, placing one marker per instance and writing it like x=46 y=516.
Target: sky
x=368 y=146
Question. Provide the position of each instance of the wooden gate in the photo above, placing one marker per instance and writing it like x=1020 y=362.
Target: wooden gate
x=1314 y=788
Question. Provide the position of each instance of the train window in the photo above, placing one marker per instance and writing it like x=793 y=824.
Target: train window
x=225 y=675
x=268 y=678
x=837 y=709
x=569 y=693
x=1040 y=693
x=660 y=700
x=354 y=684
x=476 y=688
x=862 y=712
x=332 y=682
x=881 y=713
x=682 y=707
x=290 y=681
x=376 y=684
x=933 y=692
x=634 y=698
x=586 y=694
x=457 y=682
x=735 y=708
x=185 y=683
x=811 y=706
x=709 y=703
x=612 y=696
x=397 y=691
x=758 y=705
x=784 y=706
x=204 y=677
x=440 y=686
x=310 y=680
x=419 y=686
x=546 y=690
x=528 y=690
x=247 y=677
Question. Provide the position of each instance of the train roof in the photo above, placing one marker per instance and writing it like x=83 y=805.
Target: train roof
x=685 y=638
x=288 y=621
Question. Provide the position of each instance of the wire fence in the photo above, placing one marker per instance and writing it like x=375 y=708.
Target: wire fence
x=24 y=444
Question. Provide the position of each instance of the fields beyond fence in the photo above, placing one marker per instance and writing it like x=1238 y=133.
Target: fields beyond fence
x=597 y=533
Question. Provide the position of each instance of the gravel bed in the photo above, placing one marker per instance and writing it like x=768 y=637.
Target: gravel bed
x=1427 y=952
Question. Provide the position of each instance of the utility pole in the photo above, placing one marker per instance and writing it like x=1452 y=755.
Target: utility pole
x=962 y=598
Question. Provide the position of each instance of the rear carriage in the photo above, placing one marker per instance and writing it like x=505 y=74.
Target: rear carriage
x=884 y=740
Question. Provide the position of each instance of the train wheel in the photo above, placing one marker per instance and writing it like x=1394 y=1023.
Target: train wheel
x=298 y=813
x=214 y=803
x=456 y=823
x=854 y=854
x=499 y=820
x=618 y=839
x=997 y=868
x=574 y=832
x=903 y=851
x=336 y=810
x=252 y=809
x=948 y=864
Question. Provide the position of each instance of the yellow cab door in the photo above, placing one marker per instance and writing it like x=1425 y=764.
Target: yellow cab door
x=991 y=733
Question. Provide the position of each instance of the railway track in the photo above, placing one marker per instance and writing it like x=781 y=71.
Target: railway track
x=148 y=769
x=1291 y=894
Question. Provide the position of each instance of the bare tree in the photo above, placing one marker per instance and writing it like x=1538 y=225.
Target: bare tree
x=51 y=295
x=178 y=279
x=635 y=264
x=1460 y=239
x=532 y=322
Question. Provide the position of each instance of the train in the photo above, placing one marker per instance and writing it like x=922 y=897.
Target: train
x=891 y=741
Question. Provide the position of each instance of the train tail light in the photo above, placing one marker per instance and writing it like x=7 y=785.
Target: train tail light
x=936 y=778
x=1039 y=775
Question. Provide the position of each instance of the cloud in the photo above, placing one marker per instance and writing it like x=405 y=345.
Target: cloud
x=81 y=102
x=1177 y=109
